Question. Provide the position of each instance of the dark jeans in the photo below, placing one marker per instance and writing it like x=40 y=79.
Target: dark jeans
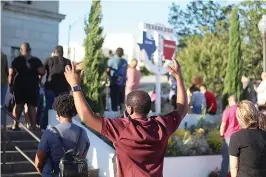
x=212 y=113
x=49 y=101
x=225 y=162
x=173 y=102
x=117 y=94
x=153 y=106
x=40 y=109
x=4 y=88
x=49 y=98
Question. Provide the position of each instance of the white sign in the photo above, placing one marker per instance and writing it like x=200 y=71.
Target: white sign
x=158 y=28
x=157 y=69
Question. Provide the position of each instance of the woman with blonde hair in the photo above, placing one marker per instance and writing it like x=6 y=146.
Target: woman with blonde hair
x=247 y=147
x=133 y=77
x=262 y=121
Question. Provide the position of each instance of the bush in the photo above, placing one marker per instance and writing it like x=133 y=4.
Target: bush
x=215 y=142
x=172 y=148
x=200 y=139
x=180 y=133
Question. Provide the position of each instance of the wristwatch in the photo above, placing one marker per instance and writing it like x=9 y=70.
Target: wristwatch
x=76 y=88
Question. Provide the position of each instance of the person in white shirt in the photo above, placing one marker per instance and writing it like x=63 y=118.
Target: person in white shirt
x=261 y=90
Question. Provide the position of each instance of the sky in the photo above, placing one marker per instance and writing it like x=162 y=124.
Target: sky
x=118 y=16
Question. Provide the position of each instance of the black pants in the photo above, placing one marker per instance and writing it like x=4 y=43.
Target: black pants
x=173 y=102
x=212 y=113
x=117 y=94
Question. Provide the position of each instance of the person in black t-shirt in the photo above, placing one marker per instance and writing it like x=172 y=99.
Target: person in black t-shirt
x=56 y=83
x=24 y=79
x=247 y=147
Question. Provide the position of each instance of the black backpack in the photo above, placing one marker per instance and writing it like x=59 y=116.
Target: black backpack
x=72 y=164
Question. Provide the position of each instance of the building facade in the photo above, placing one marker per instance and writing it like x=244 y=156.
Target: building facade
x=36 y=22
x=111 y=43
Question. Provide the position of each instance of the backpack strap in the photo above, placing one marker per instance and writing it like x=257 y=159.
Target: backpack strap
x=79 y=138
x=59 y=137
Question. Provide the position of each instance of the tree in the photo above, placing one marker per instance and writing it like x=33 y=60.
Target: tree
x=232 y=82
x=94 y=60
x=198 y=18
x=207 y=56
x=250 y=13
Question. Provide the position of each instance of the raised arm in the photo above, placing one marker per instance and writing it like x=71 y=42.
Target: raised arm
x=85 y=113
x=181 y=101
x=11 y=75
x=223 y=124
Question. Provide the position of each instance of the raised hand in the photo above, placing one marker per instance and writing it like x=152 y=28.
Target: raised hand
x=175 y=69
x=71 y=75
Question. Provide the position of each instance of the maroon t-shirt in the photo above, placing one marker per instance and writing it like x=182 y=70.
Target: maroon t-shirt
x=140 y=144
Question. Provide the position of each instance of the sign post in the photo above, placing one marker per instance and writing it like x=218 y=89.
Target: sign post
x=149 y=46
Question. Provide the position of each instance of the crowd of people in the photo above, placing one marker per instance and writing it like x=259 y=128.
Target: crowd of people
x=140 y=141
x=27 y=91
x=244 y=135
x=24 y=79
x=202 y=100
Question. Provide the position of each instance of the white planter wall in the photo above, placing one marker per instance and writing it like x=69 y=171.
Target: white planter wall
x=192 y=166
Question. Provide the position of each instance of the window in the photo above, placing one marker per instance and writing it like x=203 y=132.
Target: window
x=14 y=52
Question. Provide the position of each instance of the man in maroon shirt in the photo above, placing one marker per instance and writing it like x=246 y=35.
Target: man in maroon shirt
x=140 y=142
x=210 y=100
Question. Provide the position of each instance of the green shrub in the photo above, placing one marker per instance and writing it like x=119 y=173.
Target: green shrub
x=172 y=148
x=200 y=139
x=215 y=141
x=180 y=133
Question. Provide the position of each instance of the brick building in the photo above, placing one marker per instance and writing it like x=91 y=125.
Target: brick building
x=36 y=22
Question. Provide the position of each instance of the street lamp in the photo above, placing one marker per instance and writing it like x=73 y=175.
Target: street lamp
x=262 y=28
x=69 y=32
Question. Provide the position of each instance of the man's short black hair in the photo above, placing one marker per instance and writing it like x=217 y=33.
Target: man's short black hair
x=119 y=52
x=193 y=88
x=140 y=101
x=59 y=49
x=64 y=106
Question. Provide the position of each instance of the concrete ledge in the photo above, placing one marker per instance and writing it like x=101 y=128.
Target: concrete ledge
x=191 y=166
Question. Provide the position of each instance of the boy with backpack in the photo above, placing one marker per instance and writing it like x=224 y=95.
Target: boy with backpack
x=63 y=149
x=117 y=70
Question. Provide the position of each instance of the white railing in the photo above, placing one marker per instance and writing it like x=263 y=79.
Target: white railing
x=100 y=155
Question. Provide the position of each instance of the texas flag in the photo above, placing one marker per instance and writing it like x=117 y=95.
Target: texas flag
x=168 y=49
